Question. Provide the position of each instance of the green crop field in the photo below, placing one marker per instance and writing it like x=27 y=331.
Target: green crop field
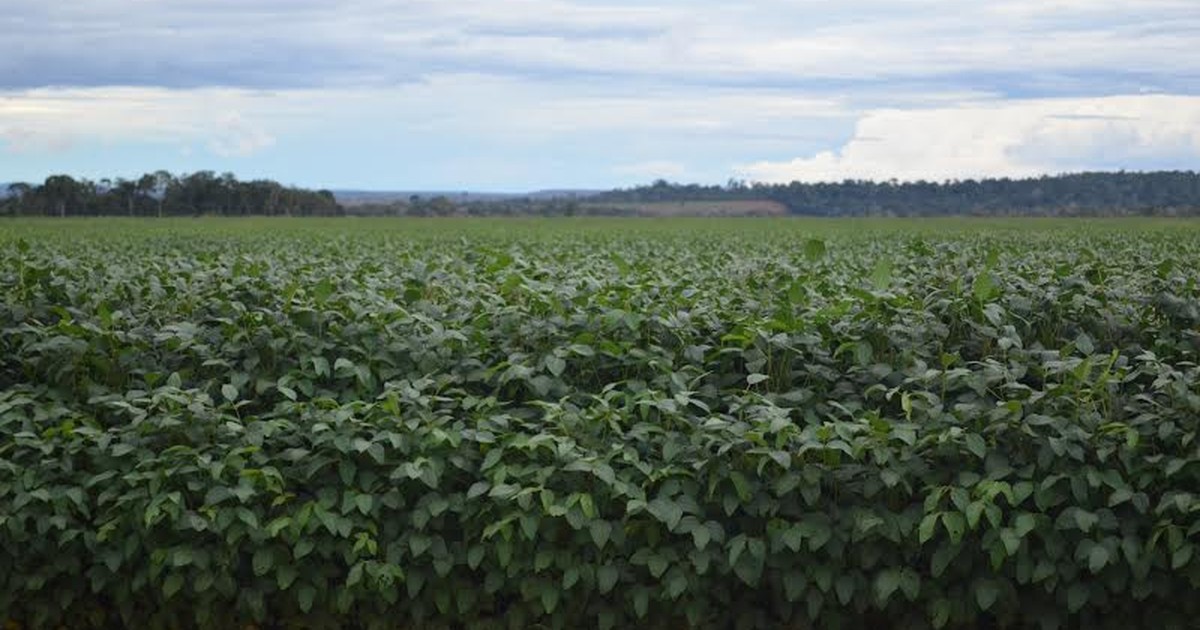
x=658 y=423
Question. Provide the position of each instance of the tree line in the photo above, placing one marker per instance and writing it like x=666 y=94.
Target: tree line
x=1165 y=193
x=1172 y=193
x=163 y=194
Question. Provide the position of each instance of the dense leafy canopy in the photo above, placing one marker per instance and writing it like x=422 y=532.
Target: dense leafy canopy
x=163 y=194
x=651 y=424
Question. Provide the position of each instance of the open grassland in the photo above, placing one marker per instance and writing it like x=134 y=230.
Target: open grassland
x=595 y=422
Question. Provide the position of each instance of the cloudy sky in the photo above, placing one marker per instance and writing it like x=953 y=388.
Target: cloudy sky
x=527 y=94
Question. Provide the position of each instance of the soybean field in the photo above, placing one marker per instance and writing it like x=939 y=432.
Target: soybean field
x=650 y=423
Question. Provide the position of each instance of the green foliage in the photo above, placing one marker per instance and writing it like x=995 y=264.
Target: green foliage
x=1159 y=193
x=616 y=424
x=163 y=194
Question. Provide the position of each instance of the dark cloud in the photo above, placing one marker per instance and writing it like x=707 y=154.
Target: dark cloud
x=861 y=46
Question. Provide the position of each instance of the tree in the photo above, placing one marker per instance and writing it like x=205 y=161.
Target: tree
x=61 y=192
x=157 y=184
x=18 y=194
x=128 y=191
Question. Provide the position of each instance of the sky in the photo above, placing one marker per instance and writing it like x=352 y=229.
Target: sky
x=517 y=95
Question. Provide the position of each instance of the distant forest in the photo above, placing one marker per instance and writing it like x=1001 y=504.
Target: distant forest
x=1163 y=193
x=1172 y=193
x=163 y=194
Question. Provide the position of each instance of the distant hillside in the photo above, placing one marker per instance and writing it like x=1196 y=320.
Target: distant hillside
x=362 y=197
x=748 y=208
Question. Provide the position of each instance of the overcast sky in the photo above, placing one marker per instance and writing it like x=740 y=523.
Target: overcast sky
x=526 y=94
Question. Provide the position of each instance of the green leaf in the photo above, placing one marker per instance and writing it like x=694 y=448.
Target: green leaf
x=974 y=512
x=606 y=578
x=320 y=366
x=956 y=526
x=983 y=287
x=677 y=583
x=475 y=556
x=1097 y=558
x=928 y=526
x=881 y=274
x=172 y=584
x=600 y=530
x=479 y=488
x=303 y=547
x=814 y=249
x=1181 y=556
x=755 y=379
x=641 y=602
x=657 y=565
x=229 y=392
x=942 y=557
x=793 y=537
x=910 y=583
x=864 y=353
x=667 y=511
x=1024 y=523
x=741 y=485
x=285 y=575
x=1085 y=520
x=355 y=575
x=305 y=596
x=986 y=593
x=549 y=597
x=570 y=578
x=1011 y=541
x=844 y=587
x=1077 y=596
x=323 y=290
x=263 y=561
x=976 y=445
x=886 y=583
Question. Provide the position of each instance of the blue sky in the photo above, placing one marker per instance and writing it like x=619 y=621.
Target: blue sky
x=529 y=94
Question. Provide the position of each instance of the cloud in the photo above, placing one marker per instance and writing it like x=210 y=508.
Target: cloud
x=1014 y=138
x=653 y=169
x=57 y=120
x=237 y=138
x=18 y=140
x=1025 y=47
x=480 y=92
x=483 y=107
x=449 y=131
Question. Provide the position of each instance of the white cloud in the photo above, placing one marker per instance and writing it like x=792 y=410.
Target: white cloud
x=55 y=120
x=18 y=140
x=1005 y=138
x=653 y=169
x=451 y=107
x=237 y=138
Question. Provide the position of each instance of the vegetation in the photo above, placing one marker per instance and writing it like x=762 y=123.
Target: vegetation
x=163 y=194
x=1172 y=193
x=660 y=424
